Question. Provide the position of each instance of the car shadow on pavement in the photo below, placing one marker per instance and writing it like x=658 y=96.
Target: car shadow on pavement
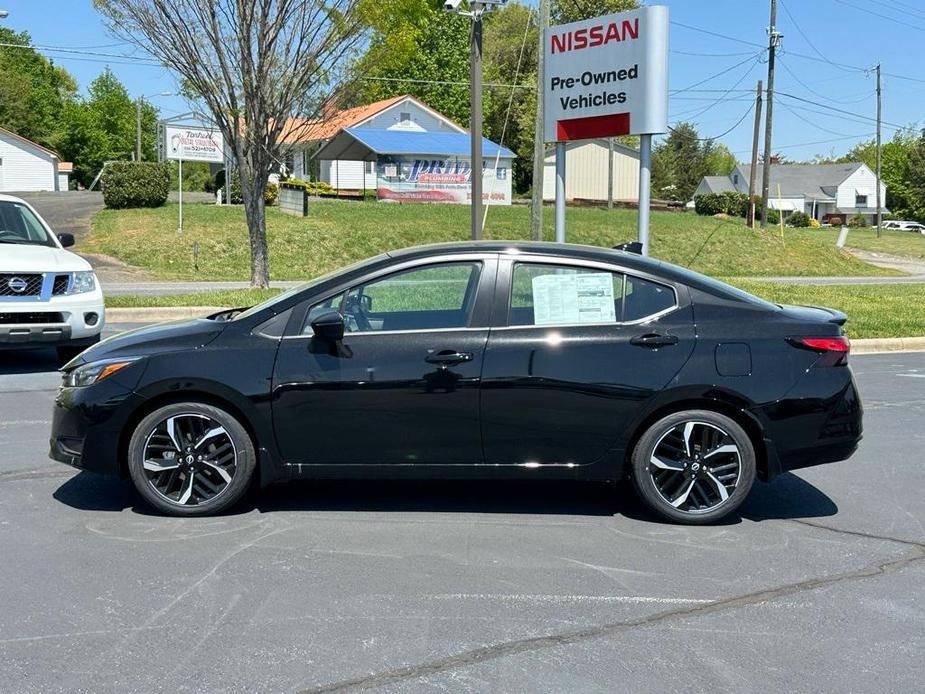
x=788 y=497
x=24 y=362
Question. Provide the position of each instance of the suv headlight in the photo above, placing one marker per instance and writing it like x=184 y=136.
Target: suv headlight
x=83 y=282
x=96 y=371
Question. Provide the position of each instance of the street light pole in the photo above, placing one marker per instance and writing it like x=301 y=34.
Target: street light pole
x=475 y=117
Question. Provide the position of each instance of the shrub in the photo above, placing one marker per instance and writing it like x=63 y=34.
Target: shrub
x=800 y=220
x=773 y=216
x=858 y=221
x=728 y=202
x=313 y=187
x=135 y=184
x=270 y=193
x=836 y=221
x=814 y=224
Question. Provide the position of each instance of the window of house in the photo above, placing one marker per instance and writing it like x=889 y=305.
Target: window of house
x=404 y=118
x=860 y=200
x=370 y=167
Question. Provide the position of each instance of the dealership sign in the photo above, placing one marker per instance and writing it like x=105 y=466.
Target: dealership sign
x=194 y=144
x=607 y=76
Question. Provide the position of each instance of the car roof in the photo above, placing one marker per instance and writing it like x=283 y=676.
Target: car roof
x=10 y=198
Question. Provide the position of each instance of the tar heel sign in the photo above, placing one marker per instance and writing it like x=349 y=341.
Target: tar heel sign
x=607 y=76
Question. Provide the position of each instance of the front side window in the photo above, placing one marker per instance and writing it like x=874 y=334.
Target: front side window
x=426 y=298
x=562 y=295
x=19 y=225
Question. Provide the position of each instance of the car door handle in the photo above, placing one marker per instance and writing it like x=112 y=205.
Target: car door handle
x=448 y=357
x=654 y=340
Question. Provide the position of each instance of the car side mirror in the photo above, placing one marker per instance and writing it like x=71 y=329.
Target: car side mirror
x=329 y=326
x=67 y=240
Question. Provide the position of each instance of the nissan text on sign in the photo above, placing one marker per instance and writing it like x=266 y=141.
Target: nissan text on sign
x=607 y=76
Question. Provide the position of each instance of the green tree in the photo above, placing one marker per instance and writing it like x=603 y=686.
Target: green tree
x=902 y=170
x=102 y=127
x=571 y=11
x=34 y=93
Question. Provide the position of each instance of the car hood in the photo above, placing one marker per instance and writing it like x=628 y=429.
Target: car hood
x=154 y=339
x=18 y=257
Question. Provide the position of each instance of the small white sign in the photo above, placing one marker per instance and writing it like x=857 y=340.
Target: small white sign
x=607 y=76
x=572 y=299
x=194 y=144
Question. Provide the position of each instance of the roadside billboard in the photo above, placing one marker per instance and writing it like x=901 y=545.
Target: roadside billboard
x=194 y=144
x=607 y=76
x=438 y=180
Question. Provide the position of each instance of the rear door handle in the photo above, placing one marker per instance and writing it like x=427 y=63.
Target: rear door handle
x=654 y=340
x=448 y=357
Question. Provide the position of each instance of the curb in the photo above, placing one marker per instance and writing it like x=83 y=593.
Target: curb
x=888 y=344
x=168 y=313
x=158 y=314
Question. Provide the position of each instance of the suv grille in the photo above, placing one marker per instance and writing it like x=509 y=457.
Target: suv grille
x=21 y=318
x=20 y=285
x=60 y=286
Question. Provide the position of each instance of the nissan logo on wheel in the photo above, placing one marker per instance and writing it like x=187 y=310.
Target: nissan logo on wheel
x=17 y=284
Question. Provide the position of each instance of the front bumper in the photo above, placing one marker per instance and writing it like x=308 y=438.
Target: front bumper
x=87 y=426
x=73 y=320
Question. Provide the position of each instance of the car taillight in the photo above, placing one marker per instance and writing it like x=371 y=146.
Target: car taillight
x=833 y=350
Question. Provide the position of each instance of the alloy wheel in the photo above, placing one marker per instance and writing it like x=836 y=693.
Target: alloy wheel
x=189 y=459
x=695 y=466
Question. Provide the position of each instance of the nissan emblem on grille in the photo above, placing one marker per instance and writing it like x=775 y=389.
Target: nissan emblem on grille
x=17 y=284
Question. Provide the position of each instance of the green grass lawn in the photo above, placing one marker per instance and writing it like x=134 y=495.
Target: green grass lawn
x=884 y=310
x=891 y=241
x=340 y=232
x=892 y=310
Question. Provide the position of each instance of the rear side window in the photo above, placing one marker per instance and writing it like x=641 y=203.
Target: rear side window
x=562 y=295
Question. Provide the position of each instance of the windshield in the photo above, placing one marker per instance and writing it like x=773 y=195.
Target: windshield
x=19 y=225
x=270 y=303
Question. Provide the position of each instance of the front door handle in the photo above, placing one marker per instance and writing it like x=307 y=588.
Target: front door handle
x=654 y=340
x=448 y=357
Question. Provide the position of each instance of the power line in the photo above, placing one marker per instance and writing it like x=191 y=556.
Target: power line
x=718 y=35
x=813 y=91
x=814 y=124
x=806 y=38
x=753 y=57
x=901 y=22
x=726 y=132
x=838 y=110
x=727 y=92
x=816 y=142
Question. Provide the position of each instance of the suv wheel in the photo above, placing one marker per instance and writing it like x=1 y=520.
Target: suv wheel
x=694 y=467
x=191 y=459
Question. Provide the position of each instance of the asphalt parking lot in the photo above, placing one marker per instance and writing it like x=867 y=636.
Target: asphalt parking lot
x=817 y=585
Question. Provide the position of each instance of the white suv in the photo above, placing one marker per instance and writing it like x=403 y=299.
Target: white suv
x=48 y=296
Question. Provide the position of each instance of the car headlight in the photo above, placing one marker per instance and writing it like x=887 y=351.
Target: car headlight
x=96 y=371
x=83 y=282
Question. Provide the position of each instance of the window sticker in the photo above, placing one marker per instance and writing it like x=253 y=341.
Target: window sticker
x=573 y=299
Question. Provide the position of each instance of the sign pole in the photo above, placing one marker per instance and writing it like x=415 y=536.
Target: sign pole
x=475 y=119
x=180 y=195
x=560 y=192
x=645 y=189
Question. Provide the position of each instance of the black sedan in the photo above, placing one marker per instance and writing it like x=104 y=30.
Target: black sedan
x=488 y=360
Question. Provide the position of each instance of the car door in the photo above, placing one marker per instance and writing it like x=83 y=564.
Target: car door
x=577 y=349
x=402 y=387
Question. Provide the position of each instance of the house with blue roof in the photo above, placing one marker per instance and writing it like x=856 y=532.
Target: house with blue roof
x=402 y=148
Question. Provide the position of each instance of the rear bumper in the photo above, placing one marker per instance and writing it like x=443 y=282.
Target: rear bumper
x=806 y=429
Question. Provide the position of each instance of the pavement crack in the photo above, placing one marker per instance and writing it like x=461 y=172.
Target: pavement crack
x=505 y=649
x=17 y=475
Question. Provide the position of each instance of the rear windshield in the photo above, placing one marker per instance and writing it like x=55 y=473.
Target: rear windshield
x=19 y=225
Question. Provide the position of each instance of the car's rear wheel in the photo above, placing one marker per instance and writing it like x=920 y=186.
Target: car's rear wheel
x=694 y=467
x=191 y=459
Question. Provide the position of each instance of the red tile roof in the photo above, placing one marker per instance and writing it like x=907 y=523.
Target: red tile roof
x=304 y=130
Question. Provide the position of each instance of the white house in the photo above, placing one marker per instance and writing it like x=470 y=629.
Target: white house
x=400 y=147
x=586 y=171
x=26 y=165
x=822 y=191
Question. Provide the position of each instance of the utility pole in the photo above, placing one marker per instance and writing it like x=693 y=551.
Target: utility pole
x=753 y=171
x=539 y=141
x=773 y=42
x=879 y=149
x=475 y=117
x=138 y=129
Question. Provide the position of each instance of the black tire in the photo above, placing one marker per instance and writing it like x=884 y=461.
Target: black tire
x=670 y=456
x=224 y=462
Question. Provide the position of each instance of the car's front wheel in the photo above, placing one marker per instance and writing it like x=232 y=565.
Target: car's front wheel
x=191 y=459
x=694 y=467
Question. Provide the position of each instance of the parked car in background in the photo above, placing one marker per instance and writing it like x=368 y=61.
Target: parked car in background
x=49 y=297
x=486 y=360
x=900 y=225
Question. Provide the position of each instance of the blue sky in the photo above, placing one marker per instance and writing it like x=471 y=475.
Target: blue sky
x=823 y=41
